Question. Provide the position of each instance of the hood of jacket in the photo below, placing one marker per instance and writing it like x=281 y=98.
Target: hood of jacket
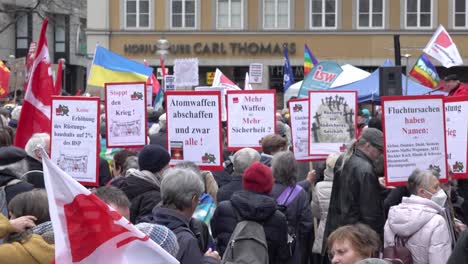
x=411 y=215
x=253 y=206
x=169 y=218
x=138 y=183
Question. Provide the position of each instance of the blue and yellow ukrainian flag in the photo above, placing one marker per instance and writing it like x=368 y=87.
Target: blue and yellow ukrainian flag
x=110 y=67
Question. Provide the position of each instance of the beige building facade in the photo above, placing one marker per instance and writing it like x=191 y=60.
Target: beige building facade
x=231 y=34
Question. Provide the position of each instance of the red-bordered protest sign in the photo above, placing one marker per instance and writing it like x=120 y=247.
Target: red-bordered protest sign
x=299 y=122
x=414 y=136
x=456 y=123
x=250 y=117
x=126 y=125
x=332 y=121
x=194 y=131
x=74 y=138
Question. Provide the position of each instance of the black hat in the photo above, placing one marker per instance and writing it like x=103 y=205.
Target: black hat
x=10 y=155
x=153 y=158
x=374 y=137
x=451 y=77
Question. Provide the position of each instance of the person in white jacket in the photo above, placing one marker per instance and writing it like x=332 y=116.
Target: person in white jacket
x=419 y=220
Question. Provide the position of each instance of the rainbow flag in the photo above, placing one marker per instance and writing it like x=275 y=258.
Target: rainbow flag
x=110 y=67
x=425 y=72
x=309 y=60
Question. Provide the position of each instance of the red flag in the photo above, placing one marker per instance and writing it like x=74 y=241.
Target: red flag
x=4 y=79
x=29 y=63
x=78 y=93
x=35 y=114
x=153 y=81
x=58 y=79
x=163 y=68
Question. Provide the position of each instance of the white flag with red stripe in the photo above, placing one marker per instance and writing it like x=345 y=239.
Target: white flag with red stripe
x=87 y=230
x=247 y=85
x=35 y=114
x=221 y=80
x=442 y=48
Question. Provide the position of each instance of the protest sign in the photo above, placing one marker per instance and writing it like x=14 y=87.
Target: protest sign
x=321 y=77
x=414 y=136
x=186 y=72
x=223 y=97
x=74 y=138
x=194 y=128
x=125 y=115
x=256 y=72
x=332 y=121
x=149 y=95
x=169 y=83
x=250 y=117
x=456 y=125
x=299 y=122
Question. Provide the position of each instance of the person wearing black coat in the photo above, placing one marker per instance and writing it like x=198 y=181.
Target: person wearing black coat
x=356 y=198
x=298 y=210
x=253 y=203
x=181 y=189
x=460 y=252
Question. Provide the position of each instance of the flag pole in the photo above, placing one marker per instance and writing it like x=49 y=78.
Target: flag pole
x=407 y=56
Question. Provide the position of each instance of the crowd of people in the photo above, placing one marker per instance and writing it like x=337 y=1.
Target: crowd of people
x=264 y=207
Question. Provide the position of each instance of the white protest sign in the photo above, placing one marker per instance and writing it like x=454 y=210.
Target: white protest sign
x=256 y=72
x=125 y=114
x=149 y=95
x=223 y=97
x=299 y=121
x=169 y=83
x=332 y=121
x=456 y=122
x=186 y=72
x=414 y=136
x=194 y=128
x=250 y=117
x=74 y=137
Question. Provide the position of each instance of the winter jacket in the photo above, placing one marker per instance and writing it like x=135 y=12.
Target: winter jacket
x=159 y=138
x=320 y=205
x=420 y=221
x=189 y=251
x=32 y=251
x=461 y=90
x=143 y=193
x=460 y=252
x=299 y=218
x=395 y=196
x=357 y=196
x=255 y=207
x=226 y=191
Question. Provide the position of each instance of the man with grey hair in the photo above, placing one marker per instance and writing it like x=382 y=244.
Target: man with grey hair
x=35 y=143
x=241 y=160
x=180 y=192
x=356 y=192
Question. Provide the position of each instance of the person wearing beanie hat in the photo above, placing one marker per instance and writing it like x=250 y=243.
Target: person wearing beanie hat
x=255 y=204
x=356 y=192
x=161 y=235
x=143 y=186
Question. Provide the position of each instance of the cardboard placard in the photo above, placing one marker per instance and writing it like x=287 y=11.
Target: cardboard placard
x=250 y=117
x=149 y=95
x=456 y=123
x=332 y=121
x=223 y=97
x=414 y=136
x=74 y=139
x=126 y=124
x=299 y=122
x=194 y=128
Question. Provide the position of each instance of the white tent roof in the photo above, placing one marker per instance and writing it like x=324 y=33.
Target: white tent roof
x=350 y=74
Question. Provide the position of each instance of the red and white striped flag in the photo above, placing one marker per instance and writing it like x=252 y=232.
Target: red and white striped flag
x=221 y=80
x=87 y=230
x=35 y=114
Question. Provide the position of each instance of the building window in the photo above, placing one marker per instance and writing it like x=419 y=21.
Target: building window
x=418 y=13
x=276 y=14
x=137 y=13
x=323 y=14
x=460 y=14
x=229 y=14
x=23 y=34
x=371 y=13
x=183 y=13
x=60 y=40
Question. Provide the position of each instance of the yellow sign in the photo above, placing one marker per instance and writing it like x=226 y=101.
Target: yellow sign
x=210 y=78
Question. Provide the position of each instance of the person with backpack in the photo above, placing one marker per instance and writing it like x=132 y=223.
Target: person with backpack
x=419 y=221
x=292 y=201
x=252 y=214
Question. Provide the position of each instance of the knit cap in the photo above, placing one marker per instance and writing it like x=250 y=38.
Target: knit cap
x=374 y=137
x=153 y=158
x=161 y=235
x=258 y=178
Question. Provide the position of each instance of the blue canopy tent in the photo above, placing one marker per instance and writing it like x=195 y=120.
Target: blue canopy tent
x=368 y=88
